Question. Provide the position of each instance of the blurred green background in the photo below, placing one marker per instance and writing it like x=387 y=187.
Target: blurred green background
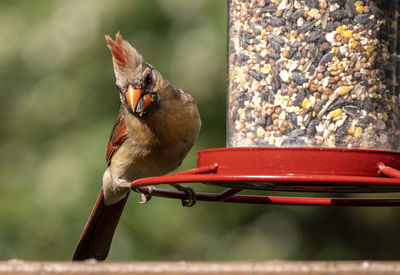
x=58 y=103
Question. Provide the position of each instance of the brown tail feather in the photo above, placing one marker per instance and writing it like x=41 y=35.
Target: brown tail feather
x=99 y=230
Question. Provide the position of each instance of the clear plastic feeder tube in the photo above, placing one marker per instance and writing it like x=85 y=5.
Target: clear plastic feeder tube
x=314 y=73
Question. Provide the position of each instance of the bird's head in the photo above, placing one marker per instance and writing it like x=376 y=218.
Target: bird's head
x=135 y=79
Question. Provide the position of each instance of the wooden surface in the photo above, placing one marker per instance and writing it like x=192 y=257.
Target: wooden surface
x=267 y=267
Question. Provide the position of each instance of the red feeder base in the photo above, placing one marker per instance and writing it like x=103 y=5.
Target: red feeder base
x=289 y=169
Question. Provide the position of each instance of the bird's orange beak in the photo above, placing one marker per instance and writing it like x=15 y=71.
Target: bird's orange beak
x=133 y=96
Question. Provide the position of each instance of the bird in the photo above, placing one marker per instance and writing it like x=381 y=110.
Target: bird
x=157 y=125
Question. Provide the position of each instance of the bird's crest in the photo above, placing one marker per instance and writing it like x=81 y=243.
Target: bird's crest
x=123 y=53
x=127 y=60
x=118 y=50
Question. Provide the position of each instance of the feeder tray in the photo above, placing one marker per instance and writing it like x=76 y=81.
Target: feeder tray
x=322 y=170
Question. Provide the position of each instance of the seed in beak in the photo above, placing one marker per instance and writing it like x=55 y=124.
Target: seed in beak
x=143 y=104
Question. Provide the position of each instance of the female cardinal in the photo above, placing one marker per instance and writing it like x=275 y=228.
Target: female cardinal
x=156 y=126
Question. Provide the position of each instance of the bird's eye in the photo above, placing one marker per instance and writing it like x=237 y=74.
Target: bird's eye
x=148 y=79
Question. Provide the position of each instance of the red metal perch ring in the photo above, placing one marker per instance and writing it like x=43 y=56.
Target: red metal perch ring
x=289 y=169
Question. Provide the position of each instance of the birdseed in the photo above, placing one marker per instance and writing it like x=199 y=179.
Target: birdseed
x=317 y=73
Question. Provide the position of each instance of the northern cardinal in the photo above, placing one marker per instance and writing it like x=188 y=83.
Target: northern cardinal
x=156 y=126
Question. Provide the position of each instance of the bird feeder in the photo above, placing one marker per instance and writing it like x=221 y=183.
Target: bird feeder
x=313 y=104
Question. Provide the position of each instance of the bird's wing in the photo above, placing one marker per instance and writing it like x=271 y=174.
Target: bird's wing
x=118 y=136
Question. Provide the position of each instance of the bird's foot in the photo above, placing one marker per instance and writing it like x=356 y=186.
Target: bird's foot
x=123 y=183
x=145 y=193
x=190 y=199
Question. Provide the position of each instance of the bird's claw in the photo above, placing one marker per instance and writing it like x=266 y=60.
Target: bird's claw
x=145 y=195
x=190 y=199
